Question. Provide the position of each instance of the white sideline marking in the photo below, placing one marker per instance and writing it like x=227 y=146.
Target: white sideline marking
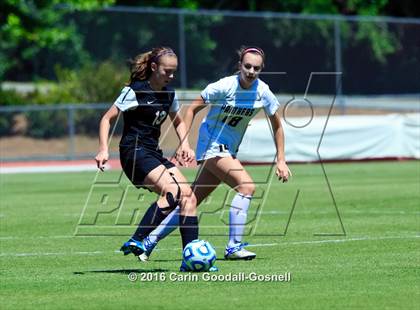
x=251 y=245
x=333 y=241
x=51 y=254
x=107 y=236
x=378 y=211
x=332 y=211
x=46 y=237
x=55 y=168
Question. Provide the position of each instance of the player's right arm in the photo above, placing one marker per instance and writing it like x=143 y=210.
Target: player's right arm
x=196 y=106
x=104 y=126
x=212 y=93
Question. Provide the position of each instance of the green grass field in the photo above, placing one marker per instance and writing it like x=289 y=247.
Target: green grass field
x=376 y=265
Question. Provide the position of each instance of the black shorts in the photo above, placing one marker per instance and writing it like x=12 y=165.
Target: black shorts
x=138 y=162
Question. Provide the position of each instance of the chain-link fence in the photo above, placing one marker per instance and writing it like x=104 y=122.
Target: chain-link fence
x=374 y=56
x=70 y=131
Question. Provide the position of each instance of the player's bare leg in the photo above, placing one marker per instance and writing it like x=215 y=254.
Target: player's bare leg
x=172 y=193
x=203 y=186
x=230 y=171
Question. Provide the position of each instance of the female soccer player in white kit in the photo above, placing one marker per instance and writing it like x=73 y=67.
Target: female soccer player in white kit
x=233 y=101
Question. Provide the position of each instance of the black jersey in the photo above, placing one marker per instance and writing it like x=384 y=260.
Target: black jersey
x=144 y=110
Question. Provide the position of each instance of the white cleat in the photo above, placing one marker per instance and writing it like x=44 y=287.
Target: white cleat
x=143 y=257
x=148 y=246
x=238 y=252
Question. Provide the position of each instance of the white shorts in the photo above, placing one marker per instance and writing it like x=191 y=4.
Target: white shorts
x=215 y=149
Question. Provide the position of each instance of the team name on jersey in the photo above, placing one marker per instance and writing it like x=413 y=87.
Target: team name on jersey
x=226 y=108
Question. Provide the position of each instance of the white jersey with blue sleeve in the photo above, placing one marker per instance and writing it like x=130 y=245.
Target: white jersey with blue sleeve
x=231 y=109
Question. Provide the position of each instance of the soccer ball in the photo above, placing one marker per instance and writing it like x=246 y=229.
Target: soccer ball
x=199 y=255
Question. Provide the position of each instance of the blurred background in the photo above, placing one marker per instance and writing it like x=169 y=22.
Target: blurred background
x=62 y=63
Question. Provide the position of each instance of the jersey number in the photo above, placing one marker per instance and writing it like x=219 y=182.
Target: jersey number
x=232 y=121
x=160 y=116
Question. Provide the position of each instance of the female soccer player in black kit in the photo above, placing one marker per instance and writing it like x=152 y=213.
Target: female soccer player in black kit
x=145 y=103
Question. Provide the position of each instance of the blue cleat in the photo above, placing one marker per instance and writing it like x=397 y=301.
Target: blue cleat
x=213 y=269
x=133 y=246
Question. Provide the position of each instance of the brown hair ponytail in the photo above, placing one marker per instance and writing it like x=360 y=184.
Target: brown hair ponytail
x=140 y=66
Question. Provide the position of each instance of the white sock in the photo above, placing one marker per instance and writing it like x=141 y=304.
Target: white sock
x=237 y=218
x=168 y=225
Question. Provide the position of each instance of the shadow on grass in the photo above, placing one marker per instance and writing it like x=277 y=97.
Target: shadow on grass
x=128 y=271
x=122 y=271
x=239 y=260
x=219 y=259
x=166 y=260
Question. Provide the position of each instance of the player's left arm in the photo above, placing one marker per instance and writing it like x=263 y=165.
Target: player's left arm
x=185 y=154
x=283 y=172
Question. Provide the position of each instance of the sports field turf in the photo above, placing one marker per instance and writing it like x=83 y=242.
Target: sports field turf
x=375 y=265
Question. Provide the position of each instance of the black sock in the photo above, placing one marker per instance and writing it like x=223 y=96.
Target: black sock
x=151 y=219
x=188 y=226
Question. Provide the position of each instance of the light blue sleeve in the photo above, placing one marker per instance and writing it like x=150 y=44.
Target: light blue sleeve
x=175 y=104
x=270 y=102
x=214 y=92
x=126 y=100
